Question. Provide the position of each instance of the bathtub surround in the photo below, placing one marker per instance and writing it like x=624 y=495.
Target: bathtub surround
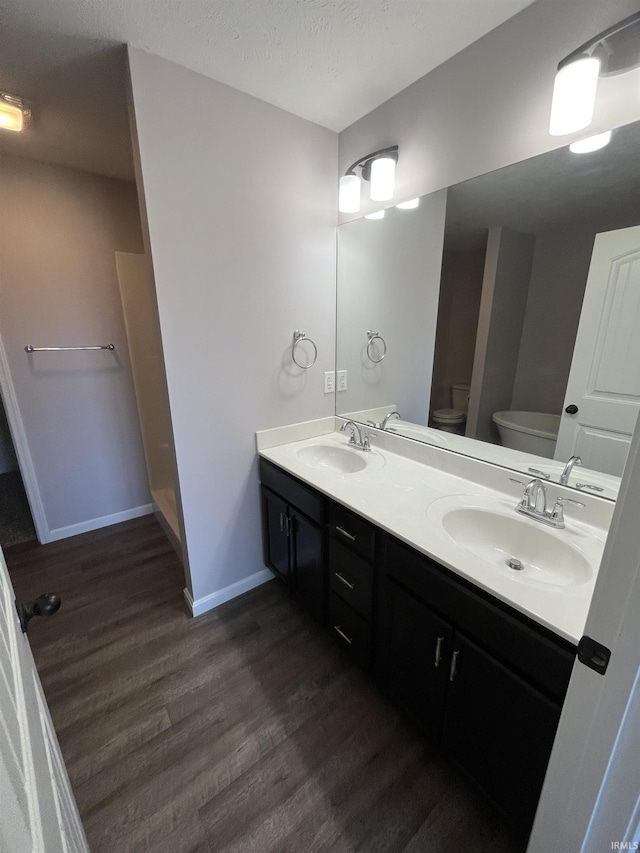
x=241 y=210
x=61 y=228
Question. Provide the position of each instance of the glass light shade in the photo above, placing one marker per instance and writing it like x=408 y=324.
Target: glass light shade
x=11 y=116
x=383 y=178
x=379 y=214
x=349 y=195
x=591 y=143
x=409 y=205
x=574 y=96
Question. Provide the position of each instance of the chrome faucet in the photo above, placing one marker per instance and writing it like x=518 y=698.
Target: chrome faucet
x=564 y=477
x=387 y=418
x=362 y=442
x=533 y=504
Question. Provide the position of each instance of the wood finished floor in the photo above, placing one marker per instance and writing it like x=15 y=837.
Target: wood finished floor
x=242 y=731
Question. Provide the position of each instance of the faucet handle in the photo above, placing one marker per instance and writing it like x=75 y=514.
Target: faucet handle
x=538 y=473
x=589 y=486
x=563 y=501
x=558 y=510
x=519 y=482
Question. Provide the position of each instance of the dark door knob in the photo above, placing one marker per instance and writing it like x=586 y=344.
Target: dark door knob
x=45 y=605
x=572 y=409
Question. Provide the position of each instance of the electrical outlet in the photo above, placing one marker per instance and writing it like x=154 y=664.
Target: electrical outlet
x=342 y=380
x=329 y=381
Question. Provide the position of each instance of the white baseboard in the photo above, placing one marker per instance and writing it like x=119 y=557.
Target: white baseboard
x=202 y=605
x=95 y=523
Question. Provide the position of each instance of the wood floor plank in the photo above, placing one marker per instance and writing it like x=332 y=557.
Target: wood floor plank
x=242 y=731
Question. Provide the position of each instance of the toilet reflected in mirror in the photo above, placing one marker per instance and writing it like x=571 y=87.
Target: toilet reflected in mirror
x=453 y=419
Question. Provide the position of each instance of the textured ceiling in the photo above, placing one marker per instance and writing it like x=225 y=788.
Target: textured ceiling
x=554 y=191
x=330 y=61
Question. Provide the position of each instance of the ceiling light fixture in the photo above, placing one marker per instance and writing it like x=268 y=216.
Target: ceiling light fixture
x=614 y=51
x=14 y=113
x=379 y=168
x=591 y=143
x=379 y=214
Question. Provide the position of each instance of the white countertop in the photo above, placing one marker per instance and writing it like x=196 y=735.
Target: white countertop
x=400 y=495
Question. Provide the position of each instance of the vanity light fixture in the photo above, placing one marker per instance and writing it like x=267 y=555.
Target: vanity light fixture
x=591 y=143
x=614 y=51
x=379 y=168
x=409 y=205
x=14 y=113
x=379 y=214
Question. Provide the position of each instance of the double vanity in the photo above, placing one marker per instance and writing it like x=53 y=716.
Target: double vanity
x=466 y=612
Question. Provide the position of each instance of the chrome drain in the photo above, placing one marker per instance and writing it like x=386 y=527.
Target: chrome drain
x=515 y=564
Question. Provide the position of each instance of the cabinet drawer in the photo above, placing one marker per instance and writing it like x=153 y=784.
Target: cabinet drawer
x=529 y=649
x=352 y=530
x=350 y=630
x=351 y=578
x=293 y=491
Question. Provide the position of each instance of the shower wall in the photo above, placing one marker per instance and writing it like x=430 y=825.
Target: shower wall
x=137 y=291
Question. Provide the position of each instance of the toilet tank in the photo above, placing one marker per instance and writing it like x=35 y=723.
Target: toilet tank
x=460 y=396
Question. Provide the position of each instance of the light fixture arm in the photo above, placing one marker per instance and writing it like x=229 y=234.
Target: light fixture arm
x=617 y=48
x=364 y=163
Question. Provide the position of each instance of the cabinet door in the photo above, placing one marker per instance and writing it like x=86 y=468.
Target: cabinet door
x=275 y=524
x=499 y=729
x=308 y=564
x=414 y=648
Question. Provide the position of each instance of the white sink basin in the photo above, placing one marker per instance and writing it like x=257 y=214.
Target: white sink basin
x=328 y=457
x=485 y=528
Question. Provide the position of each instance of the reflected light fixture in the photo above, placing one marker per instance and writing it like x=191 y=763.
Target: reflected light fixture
x=14 y=113
x=409 y=205
x=614 y=51
x=379 y=169
x=379 y=214
x=591 y=143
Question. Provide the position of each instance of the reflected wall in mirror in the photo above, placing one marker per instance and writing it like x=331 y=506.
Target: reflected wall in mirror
x=531 y=308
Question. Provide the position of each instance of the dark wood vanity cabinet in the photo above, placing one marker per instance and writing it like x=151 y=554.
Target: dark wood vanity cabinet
x=482 y=681
x=293 y=537
x=351 y=569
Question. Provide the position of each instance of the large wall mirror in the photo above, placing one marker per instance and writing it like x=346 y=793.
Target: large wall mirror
x=500 y=318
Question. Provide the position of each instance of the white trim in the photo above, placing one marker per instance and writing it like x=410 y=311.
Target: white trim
x=96 y=523
x=25 y=462
x=215 y=599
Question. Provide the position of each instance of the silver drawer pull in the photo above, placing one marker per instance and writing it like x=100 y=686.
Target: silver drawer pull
x=454 y=665
x=345 y=533
x=438 y=659
x=339 y=631
x=281 y=522
x=345 y=581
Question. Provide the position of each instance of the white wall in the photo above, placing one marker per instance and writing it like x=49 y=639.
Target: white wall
x=489 y=106
x=241 y=202
x=388 y=281
x=58 y=285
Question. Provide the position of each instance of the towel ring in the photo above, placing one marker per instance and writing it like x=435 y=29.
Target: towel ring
x=298 y=337
x=374 y=336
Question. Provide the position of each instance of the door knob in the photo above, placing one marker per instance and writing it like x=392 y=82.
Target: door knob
x=44 y=605
x=572 y=409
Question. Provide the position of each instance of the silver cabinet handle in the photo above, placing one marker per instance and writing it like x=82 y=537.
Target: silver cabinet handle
x=454 y=665
x=339 y=631
x=344 y=580
x=345 y=533
x=281 y=522
x=438 y=659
